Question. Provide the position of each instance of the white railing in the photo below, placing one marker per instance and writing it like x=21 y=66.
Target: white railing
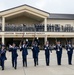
x=43 y=34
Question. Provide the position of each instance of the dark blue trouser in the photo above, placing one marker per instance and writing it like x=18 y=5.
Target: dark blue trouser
x=69 y=58
x=2 y=63
x=47 y=58
x=59 y=58
x=35 y=61
x=14 y=62
x=24 y=61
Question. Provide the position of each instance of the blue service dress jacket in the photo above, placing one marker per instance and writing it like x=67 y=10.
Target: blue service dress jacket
x=58 y=49
x=35 y=50
x=47 y=50
x=69 y=49
x=24 y=50
x=3 y=54
x=14 y=52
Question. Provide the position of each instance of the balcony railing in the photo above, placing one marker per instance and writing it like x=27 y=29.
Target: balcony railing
x=23 y=27
x=60 y=28
x=37 y=28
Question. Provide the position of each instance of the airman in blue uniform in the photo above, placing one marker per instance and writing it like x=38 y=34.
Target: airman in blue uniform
x=35 y=51
x=2 y=56
x=58 y=49
x=47 y=49
x=24 y=50
x=69 y=49
x=13 y=50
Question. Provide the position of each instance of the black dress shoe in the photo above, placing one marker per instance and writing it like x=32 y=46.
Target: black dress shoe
x=15 y=68
x=2 y=68
x=35 y=65
x=59 y=64
x=48 y=65
x=70 y=64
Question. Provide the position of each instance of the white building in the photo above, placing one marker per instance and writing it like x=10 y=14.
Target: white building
x=31 y=22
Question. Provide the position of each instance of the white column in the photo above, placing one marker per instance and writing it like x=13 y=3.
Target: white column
x=3 y=23
x=45 y=23
x=45 y=39
x=3 y=29
x=3 y=40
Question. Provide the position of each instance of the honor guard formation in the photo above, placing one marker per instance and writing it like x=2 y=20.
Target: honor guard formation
x=35 y=47
x=27 y=29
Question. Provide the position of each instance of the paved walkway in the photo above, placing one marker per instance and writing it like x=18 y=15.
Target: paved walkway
x=42 y=69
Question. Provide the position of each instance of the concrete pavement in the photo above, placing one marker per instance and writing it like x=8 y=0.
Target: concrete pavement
x=42 y=69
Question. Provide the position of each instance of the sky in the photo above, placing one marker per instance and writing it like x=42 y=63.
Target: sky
x=51 y=6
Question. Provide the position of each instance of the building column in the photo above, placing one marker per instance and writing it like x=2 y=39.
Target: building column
x=3 y=39
x=3 y=29
x=3 y=23
x=45 y=23
x=45 y=39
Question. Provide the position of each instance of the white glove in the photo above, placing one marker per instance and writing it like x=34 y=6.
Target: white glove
x=10 y=46
x=45 y=48
x=68 y=49
x=31 y=47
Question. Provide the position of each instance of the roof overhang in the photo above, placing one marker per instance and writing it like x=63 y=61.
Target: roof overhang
x=25 y=9
x=57 y=16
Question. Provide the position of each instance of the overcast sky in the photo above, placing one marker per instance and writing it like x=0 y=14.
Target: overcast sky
x=51 y=6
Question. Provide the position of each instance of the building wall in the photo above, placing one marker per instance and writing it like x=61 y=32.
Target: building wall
x=28 y=20
x=61 y=22
x=22 y=20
